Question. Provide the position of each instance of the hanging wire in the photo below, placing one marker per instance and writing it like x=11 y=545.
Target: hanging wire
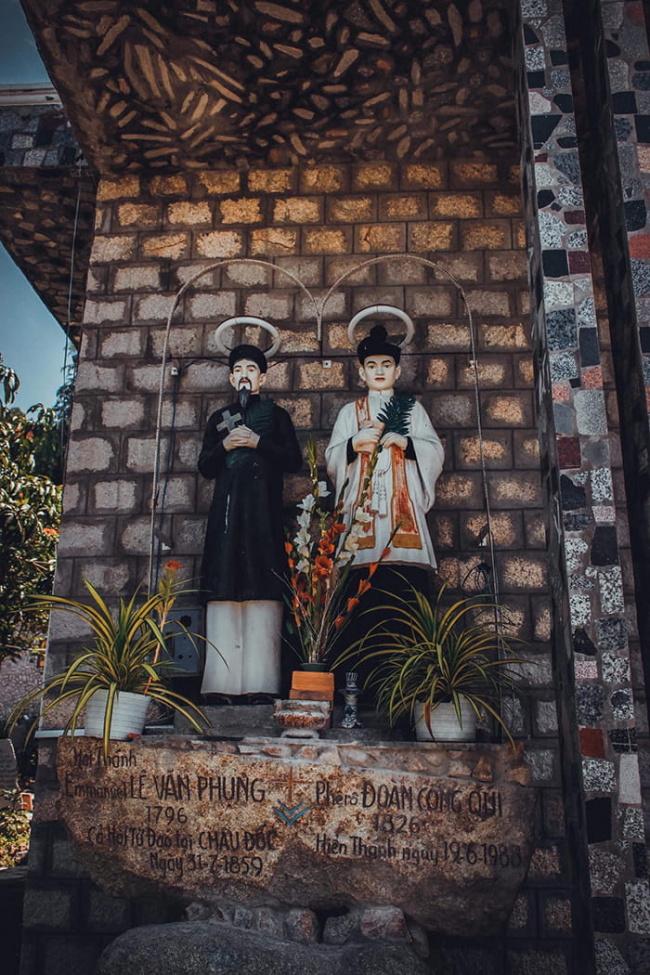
x=168 y=470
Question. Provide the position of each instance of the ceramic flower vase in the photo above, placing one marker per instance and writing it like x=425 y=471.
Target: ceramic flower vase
x=444 y=723
x=129 y=713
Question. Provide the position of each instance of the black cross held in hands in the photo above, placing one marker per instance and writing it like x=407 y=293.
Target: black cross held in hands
x=229 y=422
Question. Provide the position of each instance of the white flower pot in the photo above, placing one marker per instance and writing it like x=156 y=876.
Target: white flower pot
x=444 y=723
x=129 y=713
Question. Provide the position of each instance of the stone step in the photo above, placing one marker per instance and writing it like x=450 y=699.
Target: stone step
x=256 y=720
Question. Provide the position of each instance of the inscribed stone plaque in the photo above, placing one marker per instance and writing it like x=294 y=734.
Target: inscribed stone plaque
x=443 y=834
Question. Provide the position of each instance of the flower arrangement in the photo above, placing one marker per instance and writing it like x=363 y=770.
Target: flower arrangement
x=320 y=557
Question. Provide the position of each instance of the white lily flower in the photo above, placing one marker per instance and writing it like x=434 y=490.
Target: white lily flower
x=351 y=544
x=357 y=530
x=322 y=489
x=303 y=550
x=304 y=518
x=302 y=566
x=344 y=556
x=362 y=516
x=307 y=503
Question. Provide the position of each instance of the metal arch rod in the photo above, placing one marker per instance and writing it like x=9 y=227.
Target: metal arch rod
x=163 y=363
x=387 y=309
x=248 y=320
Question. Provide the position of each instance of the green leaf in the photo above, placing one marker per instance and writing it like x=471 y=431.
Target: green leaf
x=430 y=653
x=125 y=653
x=395 y=414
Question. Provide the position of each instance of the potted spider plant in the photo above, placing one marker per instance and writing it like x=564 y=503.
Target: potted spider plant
x=121 y=671
x=442 y=666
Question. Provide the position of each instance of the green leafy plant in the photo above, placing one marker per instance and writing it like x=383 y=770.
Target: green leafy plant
x=127 y=653
x=431 y=653
x=14 y=828
x=30 y=508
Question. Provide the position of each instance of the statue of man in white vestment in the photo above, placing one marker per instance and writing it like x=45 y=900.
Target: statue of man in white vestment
x=410 y=461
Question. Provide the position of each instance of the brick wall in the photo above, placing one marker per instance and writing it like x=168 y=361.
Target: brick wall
x=18 y=677
x=152 y=236
x=317 y=223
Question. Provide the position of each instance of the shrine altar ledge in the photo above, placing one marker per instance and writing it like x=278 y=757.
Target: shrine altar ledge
x=444 y=833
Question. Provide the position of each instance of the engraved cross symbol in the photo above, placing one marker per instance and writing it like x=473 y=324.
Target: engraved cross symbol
x=287 y=813
x=230 y=421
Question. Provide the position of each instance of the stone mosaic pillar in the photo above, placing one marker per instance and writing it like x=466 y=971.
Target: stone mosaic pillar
x=628 y=66
x=595 y=695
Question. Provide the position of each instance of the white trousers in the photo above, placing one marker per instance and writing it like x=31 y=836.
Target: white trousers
x=248 y=638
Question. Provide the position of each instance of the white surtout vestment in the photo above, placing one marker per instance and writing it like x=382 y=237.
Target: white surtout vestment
x=403 y=487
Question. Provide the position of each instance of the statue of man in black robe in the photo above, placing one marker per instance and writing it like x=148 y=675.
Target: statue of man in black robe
x=247 y=448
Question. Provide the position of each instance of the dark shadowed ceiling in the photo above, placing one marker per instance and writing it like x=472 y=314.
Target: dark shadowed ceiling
x=207 y=82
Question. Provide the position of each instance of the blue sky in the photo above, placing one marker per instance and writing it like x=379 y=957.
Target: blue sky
x=31 y=340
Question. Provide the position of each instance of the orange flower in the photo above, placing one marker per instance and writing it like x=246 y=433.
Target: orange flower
x=173 y=565
x=325 y=547
x=364 y=586
x=338 y=622
x=353 y=602
x=322 y=566
x=50 y=531
x=288 y=547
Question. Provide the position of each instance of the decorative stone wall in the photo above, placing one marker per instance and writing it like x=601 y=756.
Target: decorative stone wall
x=36 y=135
x=152 y=234
x=588 y=532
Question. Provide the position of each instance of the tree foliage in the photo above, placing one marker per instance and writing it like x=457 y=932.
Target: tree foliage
x=30 y=509
x=14 y=828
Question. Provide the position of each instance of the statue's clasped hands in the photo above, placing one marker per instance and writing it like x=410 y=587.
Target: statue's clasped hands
x=370 y=435
x=241 y=436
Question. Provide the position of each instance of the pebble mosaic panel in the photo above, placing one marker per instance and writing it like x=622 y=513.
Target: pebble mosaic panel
x=569 y=360
x=628 y=66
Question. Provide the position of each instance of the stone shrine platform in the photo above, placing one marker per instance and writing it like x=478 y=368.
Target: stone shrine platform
x=444 y=833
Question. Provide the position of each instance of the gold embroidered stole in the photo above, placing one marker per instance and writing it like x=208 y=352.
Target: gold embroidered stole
x=401 y=506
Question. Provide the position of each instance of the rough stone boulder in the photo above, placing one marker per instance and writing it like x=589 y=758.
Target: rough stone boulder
x=444 y=834
x=213 y=948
